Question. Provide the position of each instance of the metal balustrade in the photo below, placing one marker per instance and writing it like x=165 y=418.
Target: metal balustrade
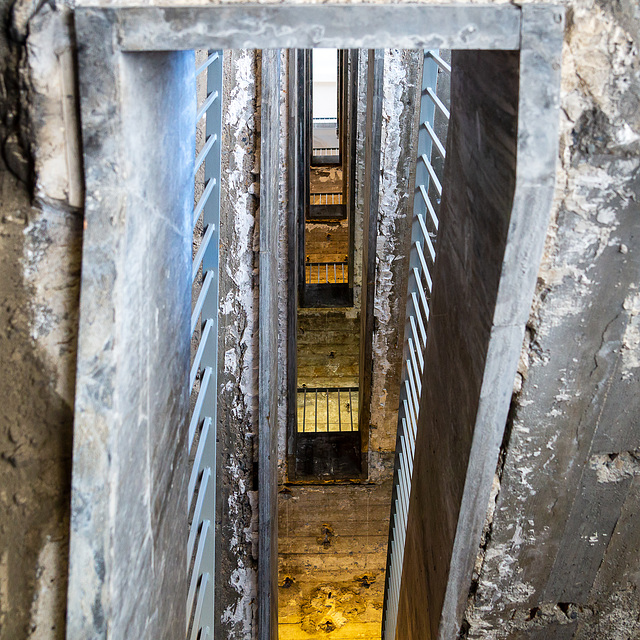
x=326 y=198
x=203 y=375
x=326 y=151
x=327 y=410
x=327 y=272
x=431 y=153
x=326 y=122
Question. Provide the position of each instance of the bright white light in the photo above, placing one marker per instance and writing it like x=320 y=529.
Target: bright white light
x=325 y=83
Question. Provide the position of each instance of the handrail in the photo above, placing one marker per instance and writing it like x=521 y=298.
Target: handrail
x=335 y=406
x=326 y=272
x=204 y=366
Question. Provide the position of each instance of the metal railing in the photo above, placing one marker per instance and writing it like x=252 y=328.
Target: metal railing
x=326 y=272
x=327 y=410
x=431 y=153
x=326 y=151
x=326 y=198
x=203 y=386
x=325 y=123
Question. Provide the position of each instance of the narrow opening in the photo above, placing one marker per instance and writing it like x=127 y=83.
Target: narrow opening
x=327 y=442
x=324 y=88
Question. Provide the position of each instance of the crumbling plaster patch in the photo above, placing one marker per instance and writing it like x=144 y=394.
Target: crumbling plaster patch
x=53 y=115
x=631 y=337
x=398 y=114
x=330 y=607
x=237 y=400
x=616 y=467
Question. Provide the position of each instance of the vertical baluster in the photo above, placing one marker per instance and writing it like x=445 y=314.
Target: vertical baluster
x=304 y=411
x=327 y=410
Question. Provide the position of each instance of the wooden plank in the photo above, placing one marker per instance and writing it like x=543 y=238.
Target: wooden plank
x=268 y=348
x=332 y=565
x=331 y=338
x=318 y=494
x=307 y=528
x=355 y=506
x=291 y=612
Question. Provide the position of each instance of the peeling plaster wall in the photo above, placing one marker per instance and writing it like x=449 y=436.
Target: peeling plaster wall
x=401 y=88
x=40 y=246
x=283 y=270
x=236 y=543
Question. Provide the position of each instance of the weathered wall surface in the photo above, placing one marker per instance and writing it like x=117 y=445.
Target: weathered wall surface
x=559 y=556
x=332 y=553
x=475 y=219
x=400 y=90
x=236 y=542
x=40 y=245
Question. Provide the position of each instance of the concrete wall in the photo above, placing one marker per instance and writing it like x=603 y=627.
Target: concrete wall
x=130 y=469
x=586 y=309
x=474 y=218
x=559 y=556
x=332 y=549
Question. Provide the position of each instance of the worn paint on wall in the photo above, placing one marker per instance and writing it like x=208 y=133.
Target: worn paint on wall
x=236 y=544
x=401 y=90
